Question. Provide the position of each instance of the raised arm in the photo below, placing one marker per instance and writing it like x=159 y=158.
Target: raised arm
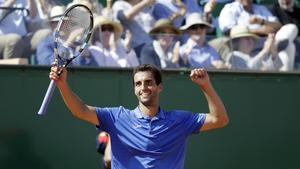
x=266 y=26
x=32 y=8
x=131 y=13
x=217 y=116
x=78 y=108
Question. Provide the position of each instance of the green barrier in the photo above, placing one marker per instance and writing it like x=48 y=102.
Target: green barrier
x=263 y=132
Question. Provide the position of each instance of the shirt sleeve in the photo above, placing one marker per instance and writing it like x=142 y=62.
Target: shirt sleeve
x=107 y=117
x=226 y=18
x=192 y=122
x=198 y=120
x=266 y=14
x=161 y=11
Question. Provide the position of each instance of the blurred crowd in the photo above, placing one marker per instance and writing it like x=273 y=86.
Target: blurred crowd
x=214 y=34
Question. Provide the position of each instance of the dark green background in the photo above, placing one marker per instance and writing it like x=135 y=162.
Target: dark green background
x=263 y=132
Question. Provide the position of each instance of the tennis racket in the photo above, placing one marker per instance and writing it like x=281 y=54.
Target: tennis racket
x=71 y=36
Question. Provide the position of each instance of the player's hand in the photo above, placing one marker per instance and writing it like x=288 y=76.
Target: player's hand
x=58 y=74
x=200 y=77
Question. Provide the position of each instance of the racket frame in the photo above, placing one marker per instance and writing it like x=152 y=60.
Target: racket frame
x=52 y=86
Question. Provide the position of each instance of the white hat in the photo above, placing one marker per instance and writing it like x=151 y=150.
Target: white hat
x=195 y=19
x=240 y=31
x=56 y=13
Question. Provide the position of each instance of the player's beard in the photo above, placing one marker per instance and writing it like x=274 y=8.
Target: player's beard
x=147 y=99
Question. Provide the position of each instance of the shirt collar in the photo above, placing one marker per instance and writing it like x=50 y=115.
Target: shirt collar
x=139 y=114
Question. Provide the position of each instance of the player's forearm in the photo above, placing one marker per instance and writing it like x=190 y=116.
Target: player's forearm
x=215 y=105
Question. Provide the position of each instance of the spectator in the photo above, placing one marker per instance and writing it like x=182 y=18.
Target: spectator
x=136 y=16
x=103 y=147
x=192 y=6
x=108 y=11
x=261 y=22
x=39 y=25
x=107 y=47
x=288 y=38
x=15 y=40
x=40 y=21
x=196 y=50
x=243 y=12
x=286 y=12
x=162 y=52
x=174 y=10
x=177 y=10
x=93 y=5
x=45 y=49
x=198 y=6
x=241 y=58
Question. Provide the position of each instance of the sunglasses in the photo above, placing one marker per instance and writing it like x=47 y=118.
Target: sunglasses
x=107 y=28
x=198 y=26
x=167 y=32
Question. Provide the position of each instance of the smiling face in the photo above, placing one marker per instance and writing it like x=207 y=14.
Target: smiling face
x=166 y=37
x=246 y=44
x=198 y=33
x=146 y=89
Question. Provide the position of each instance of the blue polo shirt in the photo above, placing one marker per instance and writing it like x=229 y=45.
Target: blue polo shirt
x=140 y=142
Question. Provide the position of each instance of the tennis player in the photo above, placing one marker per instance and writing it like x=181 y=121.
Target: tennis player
x=148 y=136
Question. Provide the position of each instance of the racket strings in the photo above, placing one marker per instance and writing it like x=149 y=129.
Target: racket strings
x=73 y=33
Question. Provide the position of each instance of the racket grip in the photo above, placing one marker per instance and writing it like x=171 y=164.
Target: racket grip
x=47 y=98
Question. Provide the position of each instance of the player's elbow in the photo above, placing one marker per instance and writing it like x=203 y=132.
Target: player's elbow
x=222 y=120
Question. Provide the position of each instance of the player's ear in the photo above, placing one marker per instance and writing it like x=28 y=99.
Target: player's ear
x=160 y=87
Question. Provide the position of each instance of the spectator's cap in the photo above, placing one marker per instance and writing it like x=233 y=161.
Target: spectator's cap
x=195 y=19
x=240 y=31
x=164 y=23
x=56 y=13
x=101 y=20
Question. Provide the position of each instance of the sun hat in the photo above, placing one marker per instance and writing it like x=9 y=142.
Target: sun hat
x=240 y=31
x=101 y=20
x=164 y=23
x=195 y=19
x=56 y=13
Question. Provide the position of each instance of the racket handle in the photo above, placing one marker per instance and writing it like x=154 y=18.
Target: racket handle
x=47 y=98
